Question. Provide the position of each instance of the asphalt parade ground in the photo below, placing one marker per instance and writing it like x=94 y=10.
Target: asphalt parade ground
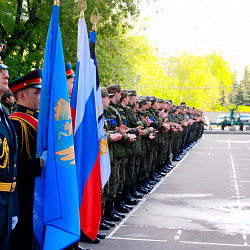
x=204 y=203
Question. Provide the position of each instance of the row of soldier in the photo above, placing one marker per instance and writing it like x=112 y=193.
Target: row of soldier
x=144 y=135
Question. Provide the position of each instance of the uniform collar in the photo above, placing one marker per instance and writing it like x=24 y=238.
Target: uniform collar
x=27 y=111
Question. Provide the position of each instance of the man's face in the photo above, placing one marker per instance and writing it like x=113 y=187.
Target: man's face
x=70 y=82
x=10 y=100
x=136 y=105
x=32 y=98
x=105 y=102
x=3 y=81
x=132 y=100
x=125 y=99
x=148 y=105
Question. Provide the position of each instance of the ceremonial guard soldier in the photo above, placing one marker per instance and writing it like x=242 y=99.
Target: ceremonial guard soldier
x=26 y=90
x=8 y=170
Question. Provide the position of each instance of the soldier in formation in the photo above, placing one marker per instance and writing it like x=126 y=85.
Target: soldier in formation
x=145 y=134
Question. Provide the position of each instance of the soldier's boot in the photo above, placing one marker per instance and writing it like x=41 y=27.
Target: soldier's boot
x=126 y=205
x=109 y=223
x=119 y=205
x=140 y=188
x=146 y=184
x=135 y=193
x=127 y=198
x=153 y=177
x=109 y=213
x=150 y=182
x=103 y=225
x=159 y=170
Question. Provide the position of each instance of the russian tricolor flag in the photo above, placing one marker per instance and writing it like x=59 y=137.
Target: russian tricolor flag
x=85 y=125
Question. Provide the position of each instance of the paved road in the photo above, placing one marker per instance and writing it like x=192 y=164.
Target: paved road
x=204 y=203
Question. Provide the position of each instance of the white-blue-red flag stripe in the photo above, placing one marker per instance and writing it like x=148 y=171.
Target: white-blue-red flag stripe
x=86 y=141
x=104 y=153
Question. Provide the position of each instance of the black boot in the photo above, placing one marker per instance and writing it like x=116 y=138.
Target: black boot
x=109 y=223
x=104 y=226
x=135 y=193
x=101 y=236
x=118 y=205
x=127 y=198
x=126 y=205
x=85 y=238
x=141 y=188
x=119 y=214
x=109 y=213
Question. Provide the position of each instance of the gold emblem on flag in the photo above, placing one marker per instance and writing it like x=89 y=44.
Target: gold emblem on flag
x=94 y=19
x=103 y=146
x=68 y=154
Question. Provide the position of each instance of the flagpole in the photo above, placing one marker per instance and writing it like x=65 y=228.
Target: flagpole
x=82 y=4
x=56 y=2
x=94 y=19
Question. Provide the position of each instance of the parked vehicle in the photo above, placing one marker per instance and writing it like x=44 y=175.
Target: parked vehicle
x=245 y=118
x=221 y=118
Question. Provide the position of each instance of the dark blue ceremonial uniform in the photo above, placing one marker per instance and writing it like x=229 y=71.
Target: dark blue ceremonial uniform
x=8 y=174
x=28 y=167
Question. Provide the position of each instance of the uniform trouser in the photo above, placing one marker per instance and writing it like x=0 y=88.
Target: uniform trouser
x=129 y=175
x=170 y=147
x=187 y=141
x=160 y=153
x=105 y=192
x=5 y=241
x=176 y=145
x=149 y=160
x=122 y=174
x=114 y=178
x=140 y=168
x=154 y=157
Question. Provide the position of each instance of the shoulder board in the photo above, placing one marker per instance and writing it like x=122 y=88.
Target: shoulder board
x=32 y=121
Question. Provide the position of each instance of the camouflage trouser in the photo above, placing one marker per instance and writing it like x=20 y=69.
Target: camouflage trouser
x=122 y=174
x=105 y=192
x=176 y=144
x=114 y=178
x=160 y=153
x=154 y=149
x=129 y=175
x=149 y=160
x=140 y=169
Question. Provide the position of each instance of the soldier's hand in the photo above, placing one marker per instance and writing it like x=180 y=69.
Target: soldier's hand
x=148 y=121
x=116 y=136
x=132 y=137
x=122 y=127
x=151 y=136
x=124 y=131
x=151 y=128
x=141 y=132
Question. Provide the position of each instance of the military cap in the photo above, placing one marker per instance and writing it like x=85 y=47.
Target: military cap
x=104 y=92
x=8 y=93
x=141 y=100
x=174 y=109
x=160 y=100
x=131 y=92
x=69 y=71
x=146 y=97
x=170 y=101
x=152 y=99
x=113 y=88
x=2 y=49
x=124 y=93
x=32 y=79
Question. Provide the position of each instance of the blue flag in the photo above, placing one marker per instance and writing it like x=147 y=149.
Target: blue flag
x=56 y=210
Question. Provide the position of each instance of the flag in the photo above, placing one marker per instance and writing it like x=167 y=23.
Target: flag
x=83 y=108
x=55 y=198
x=103 y=143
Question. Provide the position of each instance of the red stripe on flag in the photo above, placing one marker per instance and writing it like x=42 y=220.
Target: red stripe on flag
x=73 y=118
x=90 y=209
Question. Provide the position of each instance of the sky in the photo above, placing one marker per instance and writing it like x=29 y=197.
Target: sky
x=200 y=27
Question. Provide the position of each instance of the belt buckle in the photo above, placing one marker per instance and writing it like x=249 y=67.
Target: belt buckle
x=13 y=185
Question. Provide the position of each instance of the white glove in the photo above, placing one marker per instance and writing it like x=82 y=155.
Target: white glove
x=14 y=222
x=44 y=157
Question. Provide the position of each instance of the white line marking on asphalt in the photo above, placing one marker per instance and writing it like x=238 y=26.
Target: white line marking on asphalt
x=245 y=181
x=178 y=234
x=238 y=196
x=228 y=142
x=121 y=238
x=211 y=243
